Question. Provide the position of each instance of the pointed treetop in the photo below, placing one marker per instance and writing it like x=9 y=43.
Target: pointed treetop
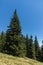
x=15 y=10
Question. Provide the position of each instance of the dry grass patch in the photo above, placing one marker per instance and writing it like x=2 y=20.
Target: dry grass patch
x=11 y=60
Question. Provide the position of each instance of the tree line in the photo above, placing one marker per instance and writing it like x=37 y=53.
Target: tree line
x=15 y=43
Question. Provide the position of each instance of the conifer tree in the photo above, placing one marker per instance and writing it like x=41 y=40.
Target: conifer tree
x=13 y=36
x=27 y=45
x=22 y=47
x=37 y=48
x=31 y=47
x=2 y=41
x=42 y=52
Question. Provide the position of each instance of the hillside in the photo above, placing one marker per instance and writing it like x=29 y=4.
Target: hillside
x=11 y=60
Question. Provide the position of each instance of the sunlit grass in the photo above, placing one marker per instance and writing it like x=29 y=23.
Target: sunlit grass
x=11 y=60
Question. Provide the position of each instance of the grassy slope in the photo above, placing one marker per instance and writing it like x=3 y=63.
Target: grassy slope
x=10 y=60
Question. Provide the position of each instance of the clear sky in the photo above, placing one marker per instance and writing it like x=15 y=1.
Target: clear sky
x=30 y=13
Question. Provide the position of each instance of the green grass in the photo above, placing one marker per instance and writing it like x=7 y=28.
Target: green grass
x=11 y=60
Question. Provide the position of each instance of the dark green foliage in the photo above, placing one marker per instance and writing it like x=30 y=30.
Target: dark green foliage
x=27 y=44
x=22 y=47
x=33 y=48
x=2 y=41
x=13 y=36
x=37 y=48
x=14 y=27
x=29 y=47
x=42 y=52
x=14 y=40
x=39 y=55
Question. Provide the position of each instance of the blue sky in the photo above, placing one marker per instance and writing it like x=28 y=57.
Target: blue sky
x=30 y=13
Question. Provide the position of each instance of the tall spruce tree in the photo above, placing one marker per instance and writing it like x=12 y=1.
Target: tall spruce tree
x=31 y=51
x=29 y=47
x=2 y=41
x=13 y=36
x=37 y=48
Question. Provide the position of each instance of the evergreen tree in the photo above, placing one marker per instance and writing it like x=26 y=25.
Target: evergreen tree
x=22 y=46
x=2 y=41
x=31 y=51
x=39 y=54
x=29 y=47
x=37 y=48
x=13 y=36
x=42 y=52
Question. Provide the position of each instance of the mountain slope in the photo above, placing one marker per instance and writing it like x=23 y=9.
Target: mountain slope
x=11 y=60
